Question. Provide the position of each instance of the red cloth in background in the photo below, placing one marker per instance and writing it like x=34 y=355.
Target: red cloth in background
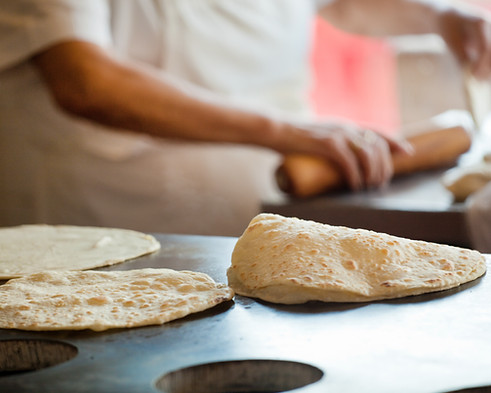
x=354 y=78
x=480 y=3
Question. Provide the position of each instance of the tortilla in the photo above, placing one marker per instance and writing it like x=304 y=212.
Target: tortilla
x=28 y=249
x=100 y=300
x=465 y=181
x=289 y=260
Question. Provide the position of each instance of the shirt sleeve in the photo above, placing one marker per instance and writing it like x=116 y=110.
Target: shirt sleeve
x=29 y=26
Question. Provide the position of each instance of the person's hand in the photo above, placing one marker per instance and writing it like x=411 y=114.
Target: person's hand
x=361 y=154
x=468 y=35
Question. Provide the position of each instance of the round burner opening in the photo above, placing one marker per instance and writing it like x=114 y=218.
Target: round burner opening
x=17 y=356
x=240 y=376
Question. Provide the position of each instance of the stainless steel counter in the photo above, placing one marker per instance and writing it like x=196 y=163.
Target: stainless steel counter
x=430 y=343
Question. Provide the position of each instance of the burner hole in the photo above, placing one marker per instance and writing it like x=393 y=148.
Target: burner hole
x=18 y=356
x=240 y=376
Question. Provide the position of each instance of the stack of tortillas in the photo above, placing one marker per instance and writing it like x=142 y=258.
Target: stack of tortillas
x=54 y=293
x=288 y=260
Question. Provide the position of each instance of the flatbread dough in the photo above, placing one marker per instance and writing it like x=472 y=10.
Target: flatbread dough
x=288 y=260
x=100 y=300
x=465 y=181
x=28 y=249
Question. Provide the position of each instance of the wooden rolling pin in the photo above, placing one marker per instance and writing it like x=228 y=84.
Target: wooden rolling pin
x=305 y=176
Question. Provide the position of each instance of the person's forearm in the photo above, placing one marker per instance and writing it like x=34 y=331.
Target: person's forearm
x=154 y=106
x=385 y=17
x=94 y=86
x=87 y=82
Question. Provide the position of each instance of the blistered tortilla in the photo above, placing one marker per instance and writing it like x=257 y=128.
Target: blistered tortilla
x=101 y=300
x=289 y=260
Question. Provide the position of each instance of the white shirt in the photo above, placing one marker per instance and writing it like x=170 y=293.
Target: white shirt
x=60 y=170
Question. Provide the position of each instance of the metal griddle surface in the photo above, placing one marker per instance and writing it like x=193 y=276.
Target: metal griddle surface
x=430 y=343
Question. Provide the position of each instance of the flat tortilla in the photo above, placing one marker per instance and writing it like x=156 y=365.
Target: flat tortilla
x=27 y=249
x=100 y=300
x=288 y=260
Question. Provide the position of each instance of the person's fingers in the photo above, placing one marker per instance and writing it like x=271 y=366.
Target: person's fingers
x=471 y=42
x=479 y=54
x=468 y=35
x=374 y=160
x=362 y=147
x=385 y=166
x=362 y=155
x=344 y=155
x=453 y=33
x=399 y=145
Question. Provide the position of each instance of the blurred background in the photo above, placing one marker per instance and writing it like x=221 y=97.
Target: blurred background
x=385 y=83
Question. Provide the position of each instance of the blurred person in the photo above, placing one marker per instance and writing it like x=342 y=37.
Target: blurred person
x=171 y=115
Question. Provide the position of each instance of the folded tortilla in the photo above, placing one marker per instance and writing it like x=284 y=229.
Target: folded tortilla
x=289 y=260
